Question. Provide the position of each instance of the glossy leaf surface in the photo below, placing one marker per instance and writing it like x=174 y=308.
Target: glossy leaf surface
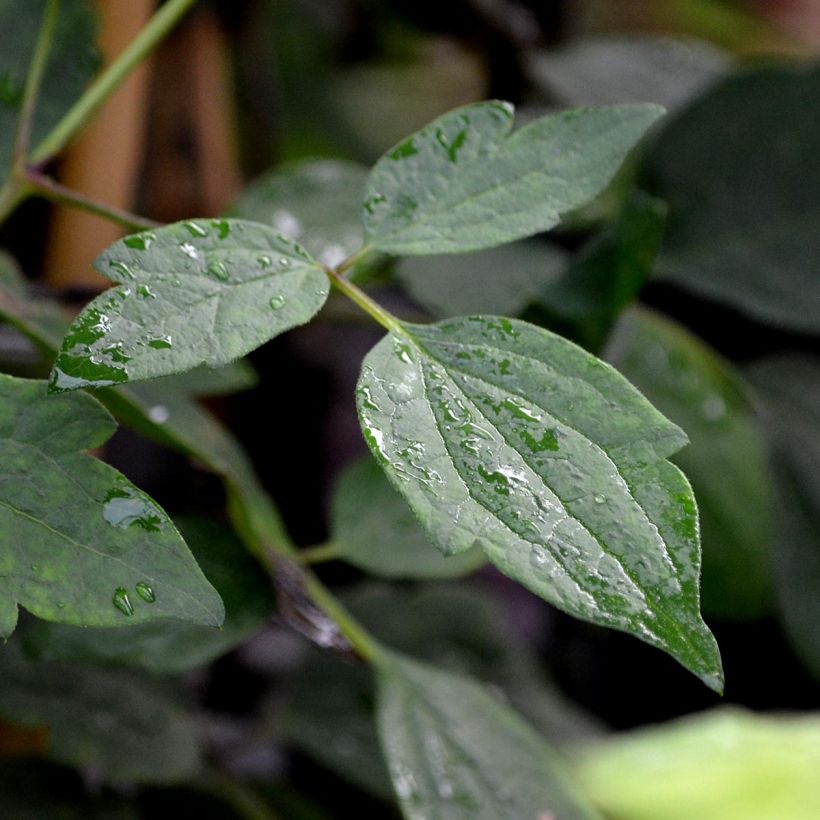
x=506 y=437
x=739 y=172
x=373 y=528
x=727 y=764
x=80 y=543
x=192 y=293
x=726 y=460
x=467 y=182
x=455 y=752
x=123 y=728
x=169 y=646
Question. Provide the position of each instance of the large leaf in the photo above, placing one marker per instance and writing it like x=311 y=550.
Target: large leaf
x=192 y=293
x=80 y=543
x=167 y=646
x=789 y=387
x=315 y=203
x=455 y=752
x=500 y=280
x=504 y=436
x=71 y=63
x=465 y=182
x=123 y=728
x=726 y=764
x=726 y=460
x=373 y=528
x=739 y=172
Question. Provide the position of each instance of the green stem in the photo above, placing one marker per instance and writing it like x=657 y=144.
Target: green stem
x=12 y=194
x=168 y=15
x=52 y=190
x=34 y=80
x=370 y=306
x=319 y=553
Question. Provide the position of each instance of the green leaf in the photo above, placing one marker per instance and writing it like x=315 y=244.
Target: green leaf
x=789 y=389
x=372 y=528
x=72 y=61
x=739 y=172
x=167 y=646
x=465 y=182
x=504 y=436
x=726 y=764
x=502 y=280
x=456 y=752
x=192 y=293
x=123 y=728
x=726 y=460
x=81 y=544
x=314 y=202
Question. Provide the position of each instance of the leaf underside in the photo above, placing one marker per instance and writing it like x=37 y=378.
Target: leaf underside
x=192 y=293
x=504 y=436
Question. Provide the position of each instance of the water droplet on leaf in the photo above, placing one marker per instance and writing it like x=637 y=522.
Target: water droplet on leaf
x=145 y=592
x=122 y=601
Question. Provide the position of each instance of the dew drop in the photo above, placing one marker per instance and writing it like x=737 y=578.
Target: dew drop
x=189 y=250
x=284 y=261
x=223 y=228
x=125 y=507
x=160 y=343
x=144 y=292
x=599 y=499
x=264 y=261
x=121 y=267
x=219 y=271
x=35 y=568
x=277 y=302
x=122 y=601
x=195 y=229
x=145 y=592
x=538 y=557
x=139 y=241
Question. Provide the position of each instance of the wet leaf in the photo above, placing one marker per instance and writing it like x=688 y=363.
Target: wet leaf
x=80 y=541
x=726 y=764
x=465 y=182
x=72 y=62
x=455 y=752
x=192 y=293
x=739 y=171
x=506 y=437
x=726 y=460
x=172 y=646
x=123 y=728
x=372 y=528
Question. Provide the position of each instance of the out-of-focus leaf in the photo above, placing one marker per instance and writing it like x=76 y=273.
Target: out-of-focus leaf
x=500 y=280
x=789 y=388
x=726 y=764
x=314 y=202
x=610 y=70
x=72 y=61
x=726 y=459
x=125 y=728
x=168 y=647
x=739 y=171
x=467 y=181
x=189 y=294
x=373 y=528
x=80 y=543
x=504 y=436
x=454 y=752
x=606 y=275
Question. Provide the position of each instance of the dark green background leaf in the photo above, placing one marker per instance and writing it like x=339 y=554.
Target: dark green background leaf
x=464 y=182
x=192 y=293
x=504 y=436
x=80 y=543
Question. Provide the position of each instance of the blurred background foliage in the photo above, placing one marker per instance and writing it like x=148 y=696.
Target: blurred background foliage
x=695 y=273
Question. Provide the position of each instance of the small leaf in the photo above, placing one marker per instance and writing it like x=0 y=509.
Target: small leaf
x=168 y=647
x=725 y=764
x=77 y=537
x=197 y=292
x=313 y=202
x=465 y=182
x=504 y=436
x=739 y=171
x=121 y=727
x=373 y=529
x=726 y=460
x=454 y=752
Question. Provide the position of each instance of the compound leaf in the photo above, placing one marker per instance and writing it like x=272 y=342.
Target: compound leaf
x=78 y=542
x=507 y=437
x=192 y=293
x=465 y=182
